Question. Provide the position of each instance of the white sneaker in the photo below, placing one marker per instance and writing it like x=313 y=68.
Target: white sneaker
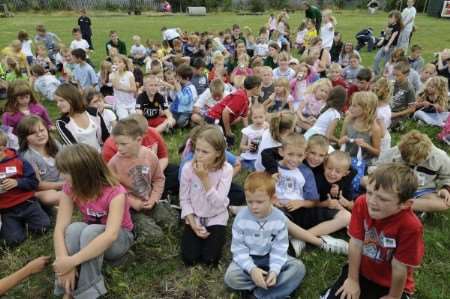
x=298 y=246
x=334 y=245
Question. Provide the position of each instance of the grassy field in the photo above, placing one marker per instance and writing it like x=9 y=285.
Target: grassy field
x=157 y=271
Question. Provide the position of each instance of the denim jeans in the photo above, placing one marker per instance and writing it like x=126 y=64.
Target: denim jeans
x=381 y=56
x=90 y=283
x=182 y=118
x=434 y=119
x=16 y=220
x=288 y=280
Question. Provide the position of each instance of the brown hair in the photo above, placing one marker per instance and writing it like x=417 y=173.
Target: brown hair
x=26 y=127
x=37 y=70
x=73 y=96
x=383 y=90
x=281 y=122
x=414 y=147
x=16 y=89
x=396 y=178
x=88 y=171
x=214 y=137
x=260 y=180
x=128 y=127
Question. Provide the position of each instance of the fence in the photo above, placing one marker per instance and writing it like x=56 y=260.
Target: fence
x=77 y=4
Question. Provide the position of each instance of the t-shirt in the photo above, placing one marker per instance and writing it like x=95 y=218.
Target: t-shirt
x=266 y=142
x=407 y=14
x=96 y=212
x=124 y=98
x=399 y=236
x=295 y=184
x=26 y=47
x=138 y=50
x=324 y=120
x=152 y=140
x=384 y=115
x=236 y=103
x=312 y=106
x=170 y=34
x=350 y=73
x=266 y=91
x=288 y=74
x=206 y=101
x=151 y=109
x=200 y=82
x=109 y=118
x=46 y=85
x=86 y=135
x=403 y=95
x=253 y=137
x=79 y=44
x=327 y=35
x=391 y=30
x=142 y=176
x=44 y=166
x=85 y=75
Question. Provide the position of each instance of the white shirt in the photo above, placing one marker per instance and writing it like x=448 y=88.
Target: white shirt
x=170 y=34
x=26 y=47
x=109 y=118
x=46 y=85
x=327 y=35
x=79 y=44
x=266 y=142
x=262 y=49
x=253 y=135
x=324 y=120
x=85 y=135
x=138 y=50
x=384 y=115
x=124 y=98
x=206 y=101
x=289 y=185
x=300 y=38
x=408 y=14
x=288 y=74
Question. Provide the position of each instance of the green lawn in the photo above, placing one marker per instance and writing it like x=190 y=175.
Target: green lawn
x=157 y=271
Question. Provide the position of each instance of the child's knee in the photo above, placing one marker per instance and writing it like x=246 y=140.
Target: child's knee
x=13 y=239
x=89 y=233
x=234 y=277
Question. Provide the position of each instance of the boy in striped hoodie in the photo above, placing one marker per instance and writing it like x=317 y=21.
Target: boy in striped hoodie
x=261 y=266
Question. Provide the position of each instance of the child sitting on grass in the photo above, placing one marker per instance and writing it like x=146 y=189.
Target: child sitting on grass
x=186 y=95
x=208 y=99
x=19 y=207
x=261 y=265
x=138 y=170
x=386 y=239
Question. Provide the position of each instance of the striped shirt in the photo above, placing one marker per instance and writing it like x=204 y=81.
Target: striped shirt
x=254 y=236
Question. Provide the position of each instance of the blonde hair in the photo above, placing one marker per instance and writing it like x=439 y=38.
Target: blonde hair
x=441 y=91
x=281 y=122
x=244 y=58
x=214 y=137
x=88 y=171
x=319 y=83
x=328 y=13
x=343 y=158
x=260 y=181
x=216 y=86
x=335 y=67
x=318 y=140
x=218 y=58
x=368 y=102
x=238 y=81
x=294 y=139
x=283 y=82
x=284 y=56
x=383 y=89
x=414 y=147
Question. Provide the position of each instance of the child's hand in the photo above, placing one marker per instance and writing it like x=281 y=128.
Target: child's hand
x=257 y=276
x=334 y=191
x=148 y=204
x=271 y=279
x=9 y=184
x=200 y=170
x=38 y=264
x=445 y=195
x=67 y=281
x=333 y=203
x=63 y=265
x=200 y=230
x=360 y=142
x=293 y=205
x=349 y=290
x=343 y=140
x=345 y=202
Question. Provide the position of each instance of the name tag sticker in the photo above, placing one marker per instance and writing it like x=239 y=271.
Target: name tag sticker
x=11 y=170
x=145 y=169
x=389 y=243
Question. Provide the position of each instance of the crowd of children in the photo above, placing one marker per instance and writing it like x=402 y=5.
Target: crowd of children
x=305 y=180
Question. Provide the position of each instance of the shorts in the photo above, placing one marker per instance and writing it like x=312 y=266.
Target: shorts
x=156 y=121
x=309 y=217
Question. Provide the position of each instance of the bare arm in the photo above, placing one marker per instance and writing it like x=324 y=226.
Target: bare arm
x=63 y=219
x=226 y=121
x=399 y=274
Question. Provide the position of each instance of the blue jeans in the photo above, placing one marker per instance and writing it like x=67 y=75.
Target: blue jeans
x=288 y=280
x=381 y=56
x=182 y=118
x=15 y=220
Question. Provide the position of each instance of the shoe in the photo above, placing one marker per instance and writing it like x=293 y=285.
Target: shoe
x=334 y=245
x=298 y=246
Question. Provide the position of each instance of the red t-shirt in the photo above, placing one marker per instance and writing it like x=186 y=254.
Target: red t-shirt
x=236 y=102
x=152 y=140
x=399 y=236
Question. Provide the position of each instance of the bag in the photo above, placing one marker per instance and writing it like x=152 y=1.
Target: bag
x=445 y=133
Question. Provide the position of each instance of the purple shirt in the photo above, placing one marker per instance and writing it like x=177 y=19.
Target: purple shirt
x=96 y=212
x=13 y=119
x=209 y=207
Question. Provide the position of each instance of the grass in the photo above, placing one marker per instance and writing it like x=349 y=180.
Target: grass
x=157 y=271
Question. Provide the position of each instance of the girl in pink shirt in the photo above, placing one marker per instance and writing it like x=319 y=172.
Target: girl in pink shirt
x=104 y=233
x=204 y=185
x=315 y=99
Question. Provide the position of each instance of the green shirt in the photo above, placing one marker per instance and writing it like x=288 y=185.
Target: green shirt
x=121 y=47
x=313 y=13
x=270 y=63
x=11 y=76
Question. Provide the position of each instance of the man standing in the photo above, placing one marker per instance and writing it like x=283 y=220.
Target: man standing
x=313 y=12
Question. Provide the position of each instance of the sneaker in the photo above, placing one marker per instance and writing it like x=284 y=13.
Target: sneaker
x=298 y=246
x=334 y=245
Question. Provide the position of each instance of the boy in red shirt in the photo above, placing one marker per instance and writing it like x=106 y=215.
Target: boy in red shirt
x=234 y=107
x=386 y=239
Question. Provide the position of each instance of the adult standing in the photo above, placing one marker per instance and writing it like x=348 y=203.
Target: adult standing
x=408 y=17
x=84 y=22
x=313 y=12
